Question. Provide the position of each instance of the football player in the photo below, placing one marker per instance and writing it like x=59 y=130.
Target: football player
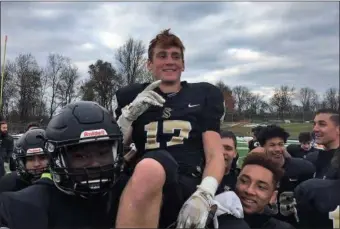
x=84 y=144
x=175 y=126
x=305 y=147
x=273 y=138
x=229 y=142
x=253 y=143
x=327 y=133
x=30 y=160
x=256 y=187
x=318 y=200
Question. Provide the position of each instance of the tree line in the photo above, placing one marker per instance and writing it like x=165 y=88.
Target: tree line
x=33 y=92
x=286 y=103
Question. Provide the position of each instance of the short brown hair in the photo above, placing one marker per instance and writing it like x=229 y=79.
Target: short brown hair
x=165 y=39
x=334 y=114
x=265 y=161
x=3 y=122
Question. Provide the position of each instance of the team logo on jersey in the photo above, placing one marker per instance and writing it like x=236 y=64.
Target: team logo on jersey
x=166 y=112
x=227 y=188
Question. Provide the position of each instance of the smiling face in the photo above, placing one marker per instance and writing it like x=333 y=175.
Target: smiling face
x=167 y=64
x=229 y=152
x=256 y=188
x=326 y=131
x=275 y=148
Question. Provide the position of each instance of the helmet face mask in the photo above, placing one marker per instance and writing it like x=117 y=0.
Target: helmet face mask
x=83 y=172
x=85 y=145
x=30 y=159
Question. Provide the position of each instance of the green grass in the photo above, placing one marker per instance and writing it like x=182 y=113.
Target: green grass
x=292 y=128
x=242 y=149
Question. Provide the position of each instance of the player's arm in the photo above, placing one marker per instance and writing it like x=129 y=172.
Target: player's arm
x=130 y=110
x=213 y=149
x=200 y=202
x=127 y=138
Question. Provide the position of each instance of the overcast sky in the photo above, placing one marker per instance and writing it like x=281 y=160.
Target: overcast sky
x=258 y=45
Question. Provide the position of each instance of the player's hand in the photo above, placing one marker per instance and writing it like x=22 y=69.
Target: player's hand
x=195 y=211
x=227 y=203
x=6 y=166
x=143 y=101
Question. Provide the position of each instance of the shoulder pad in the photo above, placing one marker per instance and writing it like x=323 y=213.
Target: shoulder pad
x=203 y=85
x=127 y=94
x=300 y=166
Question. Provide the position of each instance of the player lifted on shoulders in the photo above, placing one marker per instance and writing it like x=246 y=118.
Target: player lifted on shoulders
x=175 y=127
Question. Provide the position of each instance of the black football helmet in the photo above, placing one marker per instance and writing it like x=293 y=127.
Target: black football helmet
x=78 y=125
x=29 y=144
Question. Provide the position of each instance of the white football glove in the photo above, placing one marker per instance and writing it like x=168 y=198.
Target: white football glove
x=6 y=166
x=139 y=105
x=195 y=211
x=227 y=203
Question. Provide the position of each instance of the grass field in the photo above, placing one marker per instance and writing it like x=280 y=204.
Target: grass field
x=293 y=129
x=242 y=130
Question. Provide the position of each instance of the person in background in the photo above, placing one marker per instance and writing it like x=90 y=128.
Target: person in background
x=32 y=125
x=230 y=154
x=6 y=148
x=252 y=144
x=305 y=147
x=30 y=160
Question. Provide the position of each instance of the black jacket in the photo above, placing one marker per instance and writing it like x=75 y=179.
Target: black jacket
x=266 y=222
x=43 y=206
x=12 y=182
x=6 y=150
x=315 y=199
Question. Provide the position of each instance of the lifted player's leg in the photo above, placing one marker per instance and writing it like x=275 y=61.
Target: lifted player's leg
x=141 y=200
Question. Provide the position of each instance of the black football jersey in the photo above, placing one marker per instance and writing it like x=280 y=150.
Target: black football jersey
x=177 y=126
x=318 y=203
x=297 y=170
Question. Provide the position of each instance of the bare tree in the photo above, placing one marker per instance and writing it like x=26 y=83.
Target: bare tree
x=282 y=100
x=102 y=85
x=66 y=90
x=308 y=99
x=27 y=76
x=9 y=89
x=54 y=70
x=229 y=100
x=145 y=76
x=241 y=95
x=331 y=98
x=254 y=103
x=131 y=61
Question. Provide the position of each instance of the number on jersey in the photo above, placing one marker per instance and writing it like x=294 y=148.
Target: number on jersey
x=285 y=204
x=169 y=127
x=335 y=216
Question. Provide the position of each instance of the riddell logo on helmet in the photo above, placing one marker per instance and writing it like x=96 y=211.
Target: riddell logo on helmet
x=93 y=133
x=34 y=150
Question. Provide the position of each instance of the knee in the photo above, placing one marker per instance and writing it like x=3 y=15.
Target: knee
x=148 y=178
